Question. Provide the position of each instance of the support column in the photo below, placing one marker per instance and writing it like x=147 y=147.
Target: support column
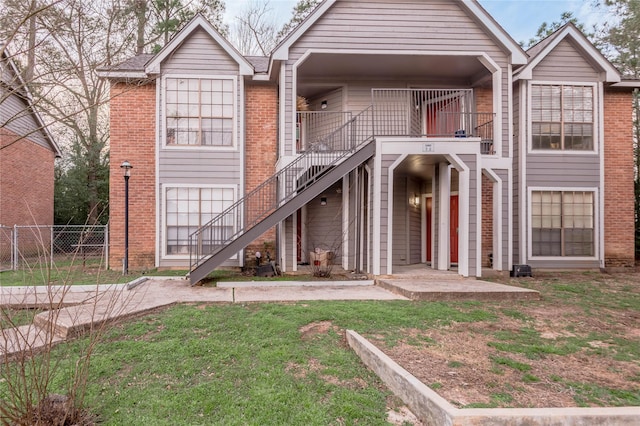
x=444 y=199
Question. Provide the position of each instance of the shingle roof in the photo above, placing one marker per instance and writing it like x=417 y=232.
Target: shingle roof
x=260 y=63
x=135 y=63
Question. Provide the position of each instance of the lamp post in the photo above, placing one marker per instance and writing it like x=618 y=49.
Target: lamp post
x=126 y=166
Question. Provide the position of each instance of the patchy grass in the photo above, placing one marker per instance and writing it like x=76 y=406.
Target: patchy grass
x=578 y=346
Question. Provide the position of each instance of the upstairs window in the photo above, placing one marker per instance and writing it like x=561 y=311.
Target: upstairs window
x=562 y=117
x=200 y=111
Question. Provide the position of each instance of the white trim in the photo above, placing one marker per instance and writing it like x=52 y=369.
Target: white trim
x=464 y=191
x=601 y=136
x=345 y=221
x=294 y=241
x=497 y=122
x=283 y=245
x=242 y=147
x=423 y=227
x=158 y=191
x=237 y=123
x=167 y=186
x=438 y=146
x=510 y=220
x=612 y=75
x=133 y=75
x=281 y=52
x=497 y=188
x=596 y=222
x=376 y=206
x=391 y=169
x=153 y=66
x=367 y=225
x=510 y=110
x=444 y=212
x=283 y=110
x=518 y=56
x=522 y=158
x=596 y=103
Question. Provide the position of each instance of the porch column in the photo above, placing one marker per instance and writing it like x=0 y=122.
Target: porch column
x=444 y=199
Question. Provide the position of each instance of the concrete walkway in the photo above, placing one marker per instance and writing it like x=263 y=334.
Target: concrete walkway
x=71 y=310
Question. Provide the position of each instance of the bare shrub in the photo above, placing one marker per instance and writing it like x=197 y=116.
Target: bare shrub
x=41 y=384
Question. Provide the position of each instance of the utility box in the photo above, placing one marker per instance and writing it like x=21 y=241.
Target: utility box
x=521 y=271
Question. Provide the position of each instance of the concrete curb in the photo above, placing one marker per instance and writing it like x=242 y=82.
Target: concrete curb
x=432 y=409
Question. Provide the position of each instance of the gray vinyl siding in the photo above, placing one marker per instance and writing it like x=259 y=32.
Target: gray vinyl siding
x=400 y=235
x=558 y=170
x=324 y=223
x=415 y=223
x=565 y=63
x=199 y=53
x=506 y=189
x=387 y=161
x=471 y=162
x=515 y=185
x=435 y=25
x=201 y=56
x=16 y=117
x=288 y=243
x=351 y=226
x=334 y=100
x=410 y=25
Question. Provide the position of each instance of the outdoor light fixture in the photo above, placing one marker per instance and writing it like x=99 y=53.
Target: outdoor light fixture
x=126 y=166
x=323 y=201
x=323 y=104
x=414 y=200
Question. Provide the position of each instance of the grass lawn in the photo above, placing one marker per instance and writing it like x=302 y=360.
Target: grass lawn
x=262 y=364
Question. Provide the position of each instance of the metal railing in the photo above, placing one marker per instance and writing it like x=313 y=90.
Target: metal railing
x=312 y=127
x=431 y=113
x=280 y=188
x=25 y=246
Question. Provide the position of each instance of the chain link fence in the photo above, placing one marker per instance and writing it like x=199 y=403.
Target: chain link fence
x=6 y=248
x=27 y=246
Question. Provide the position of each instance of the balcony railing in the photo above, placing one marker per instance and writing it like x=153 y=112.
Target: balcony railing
x=431 y=113
x=313 y=127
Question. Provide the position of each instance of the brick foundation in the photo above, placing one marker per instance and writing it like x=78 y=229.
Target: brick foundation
x=133 y=112
x=618 y=172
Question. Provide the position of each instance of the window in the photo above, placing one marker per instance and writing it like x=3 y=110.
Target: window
x=562 y=117
x=199 y=111
x=562 y=223
x=187 y=209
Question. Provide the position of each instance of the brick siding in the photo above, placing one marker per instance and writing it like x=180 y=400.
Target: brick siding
x=618 y=175
x=484 y=103
x=133 y=122
x=261 y=138
x=26 y=181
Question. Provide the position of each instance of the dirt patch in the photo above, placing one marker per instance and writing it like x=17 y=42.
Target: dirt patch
x=563 y=351
x=313 y=329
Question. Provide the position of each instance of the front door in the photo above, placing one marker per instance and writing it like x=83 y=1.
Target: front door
x=453 y=221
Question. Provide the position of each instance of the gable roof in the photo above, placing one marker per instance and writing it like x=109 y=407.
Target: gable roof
x=19 y=88
x=198 y=21
x=518 y=56
x=568 y=31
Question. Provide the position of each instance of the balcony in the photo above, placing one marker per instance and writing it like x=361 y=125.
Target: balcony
x=424 y=113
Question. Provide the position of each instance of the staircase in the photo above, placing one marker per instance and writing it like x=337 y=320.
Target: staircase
x=323 y=164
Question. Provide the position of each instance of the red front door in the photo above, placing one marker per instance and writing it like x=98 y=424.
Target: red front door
x=453 y=221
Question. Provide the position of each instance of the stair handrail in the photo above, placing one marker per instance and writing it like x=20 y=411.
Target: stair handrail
x=281 y=186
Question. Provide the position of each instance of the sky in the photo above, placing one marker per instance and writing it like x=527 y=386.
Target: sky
x=520 y=18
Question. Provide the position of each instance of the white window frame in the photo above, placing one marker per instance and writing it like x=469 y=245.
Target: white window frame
x=596 y=118
x=165 y=188
x=596 y=222
x=162 y=117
